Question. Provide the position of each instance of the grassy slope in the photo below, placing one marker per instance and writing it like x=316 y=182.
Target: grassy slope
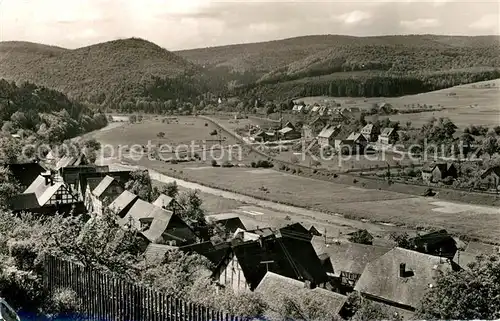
x=106 y=67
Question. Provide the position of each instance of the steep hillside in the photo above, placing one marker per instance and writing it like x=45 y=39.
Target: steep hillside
x=110 y=71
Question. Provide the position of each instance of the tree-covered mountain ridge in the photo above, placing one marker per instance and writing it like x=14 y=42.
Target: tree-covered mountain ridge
x=132 y=70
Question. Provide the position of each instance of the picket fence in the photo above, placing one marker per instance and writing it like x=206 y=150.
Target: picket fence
x=105 y=298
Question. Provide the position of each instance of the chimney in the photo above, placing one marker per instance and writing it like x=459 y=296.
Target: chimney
x=402 y=270
x=48 y=178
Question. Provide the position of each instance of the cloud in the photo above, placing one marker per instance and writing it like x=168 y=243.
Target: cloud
x=353 y=17
x=420 y=23
x=182 y=24
x=486 y=22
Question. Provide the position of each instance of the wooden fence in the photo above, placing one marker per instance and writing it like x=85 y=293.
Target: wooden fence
x=106 y=298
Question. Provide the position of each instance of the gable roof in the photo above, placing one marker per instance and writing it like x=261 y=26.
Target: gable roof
x=215 y=253
x=95 y=178
x=144 y=210
x=23 y=202
x=387 y=132
x=355 y=136
x=231 y=224
x=163 y=201
x=103 y=185
x=293 y=258
x=463 y=258
x=71 y=161
x=329 y=131
x=429 y=167
x=367 y=129
x=122 y=201
x=43 y=192
x=492 y=170
x=348 y=257
x=155 y=253
x=285 y=130
x=25 y=173
x=274 y=288
x=381 y=276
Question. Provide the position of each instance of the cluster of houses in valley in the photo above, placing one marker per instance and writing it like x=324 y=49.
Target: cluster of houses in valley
x=330 y=132
x=290 y=259
x=332 y=108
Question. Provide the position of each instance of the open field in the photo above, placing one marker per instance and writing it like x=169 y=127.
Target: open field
x=484 y=97
x=478 y=222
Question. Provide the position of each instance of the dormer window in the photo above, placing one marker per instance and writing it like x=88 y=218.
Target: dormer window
x=146 y=223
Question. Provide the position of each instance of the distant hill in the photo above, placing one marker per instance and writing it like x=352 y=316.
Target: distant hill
x=137 y=71
x=300 y=57
x=107 y=71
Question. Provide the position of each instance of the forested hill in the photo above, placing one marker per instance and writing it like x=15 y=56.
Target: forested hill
x=131 y=73
x=107 y=72
x=313 y=55
x=38 y=114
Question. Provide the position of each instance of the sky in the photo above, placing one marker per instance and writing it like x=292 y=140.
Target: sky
x=184 y=24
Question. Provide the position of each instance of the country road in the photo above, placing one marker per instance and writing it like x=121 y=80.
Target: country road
x=277 y=209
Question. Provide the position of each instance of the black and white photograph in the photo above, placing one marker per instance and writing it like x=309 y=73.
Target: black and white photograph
x=249 y=160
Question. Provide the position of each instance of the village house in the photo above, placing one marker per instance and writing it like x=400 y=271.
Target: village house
x=90 y=180
x=25 y=173
x=215 y=253
x=229 y=222
x=71 y=174
x=347 y=260
x=47 y=194
x=158 y=225
x=102 y=195
x=168 y=203
x=337 y=118
x=288 y=132
x=436 y=172
x=384 y=108
x=492 y=177
x=263 y=136
x=247 y=262
x=275 y=288
x=388 y=136
x=307 y=133
x=438 y=243
x=354 y=143
x=327 y=136
x=400 y=278
x=122 y=204
x=474 y=249
x=369 y=133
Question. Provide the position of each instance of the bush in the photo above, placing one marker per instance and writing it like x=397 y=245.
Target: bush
x=206 y=124
x=253 y=164
x=264 y=164
x=354 y=181
x=214 y=163
x=335 y=175
x=294 y=171
x=282 y=167
x=64 y=301
x=174 y=161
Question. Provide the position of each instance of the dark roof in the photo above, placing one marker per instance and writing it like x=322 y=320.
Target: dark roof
x=231 y=224
x=276 y=288
x=121 y=176
x=74 y=171
x=381 y=277
x=215 y=253
x=24 y=202
x=291 y=257
x=348 y=257
x=25 y=173
x=433 y=238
